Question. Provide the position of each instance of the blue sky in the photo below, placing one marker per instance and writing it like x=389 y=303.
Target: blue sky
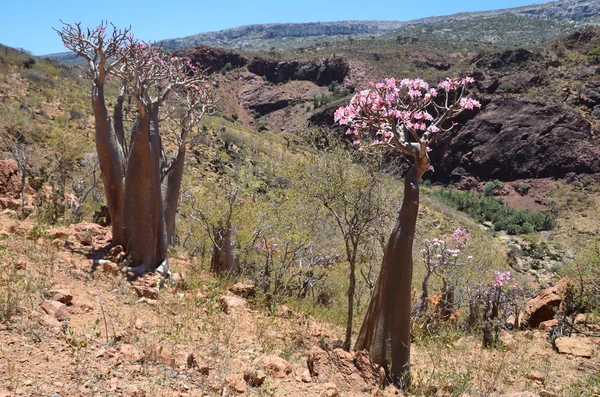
x=28 y=24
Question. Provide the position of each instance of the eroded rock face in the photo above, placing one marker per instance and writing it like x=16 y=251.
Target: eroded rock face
x=213 y=59
x=514 y=138
x=10 y=179
x=498 y=60
x=322 y=72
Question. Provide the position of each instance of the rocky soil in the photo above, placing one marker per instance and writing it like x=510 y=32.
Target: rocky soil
x=75 y=325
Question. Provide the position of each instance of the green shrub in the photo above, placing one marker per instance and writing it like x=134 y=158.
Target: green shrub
x=334 y=84
x=523 y=189
x=487 y=208
x=490 y=187
x=594 y=56
x=256 y=115
x=234 y=116
x=28 y=61
x=226 y=68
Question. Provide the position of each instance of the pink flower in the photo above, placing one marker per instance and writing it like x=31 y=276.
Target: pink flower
x=428 y=149
x=430 y=168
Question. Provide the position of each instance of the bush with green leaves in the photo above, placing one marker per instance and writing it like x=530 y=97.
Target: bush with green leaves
x=485 y=208
x=524 y=188
x=584 y=274
x=334 y=84
x=226 y=68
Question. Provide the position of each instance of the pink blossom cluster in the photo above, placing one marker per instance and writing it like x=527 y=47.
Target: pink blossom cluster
x=461 y=236
x=502 y=278
x=393 y=110
x=442 y=251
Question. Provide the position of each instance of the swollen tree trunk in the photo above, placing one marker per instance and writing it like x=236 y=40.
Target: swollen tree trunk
x=223 y=260
x=385 y=332
x=141 y=188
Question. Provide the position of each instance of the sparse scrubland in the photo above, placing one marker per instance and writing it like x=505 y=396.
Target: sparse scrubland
x=275 y=213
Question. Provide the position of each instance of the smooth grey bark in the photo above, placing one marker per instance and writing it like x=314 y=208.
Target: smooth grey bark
x=141 y=190
x=385 y=332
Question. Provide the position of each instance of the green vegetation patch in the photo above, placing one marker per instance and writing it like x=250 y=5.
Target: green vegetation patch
x=488 y=208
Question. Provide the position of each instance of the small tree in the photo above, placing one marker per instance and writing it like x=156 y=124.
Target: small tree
x=441 y=256
x=141 y=184
x=355 y=200
x=406 y=116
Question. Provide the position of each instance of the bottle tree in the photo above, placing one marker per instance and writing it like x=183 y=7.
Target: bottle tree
x=141 y=182
x=406 y=116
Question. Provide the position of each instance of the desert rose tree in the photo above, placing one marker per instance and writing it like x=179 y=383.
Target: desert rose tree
x=406 y=116
x=141 y=183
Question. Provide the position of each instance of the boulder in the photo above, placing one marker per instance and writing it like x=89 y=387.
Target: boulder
x=61 y=295
x=247 y=289
x=158 y=354
x=232 y=303
x=579 y=347
x=317 y=361
x=236 y=383
x=56 y=309
x=543 y=307
x=255 y=377
x=275 y=366
x=305 y=376
x=130 y=353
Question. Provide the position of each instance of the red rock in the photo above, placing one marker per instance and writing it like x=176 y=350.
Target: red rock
x=134 y=391
x=89 y=234
x=231 y=303
x=61 y=295
x=547 y=325
x=542 y=307
x=130 y=353
x=178 y=280
x=56 y=309
x=10 y=179
x=305 y=376
x=284 y=311
x=371 y=373
x=537 y=376
x=330 y=390
x=246 y=289
x=104 y=353
x=318 y=362
x=113 y=384
x=145 y=291
x=83 y=303
x=579 y=347
x=158 y=354
x=235 y=382
x=580 y=319
x=276 y=366
x=255 y=377
x=110 y=268
x=49 y=321
x=203 y=368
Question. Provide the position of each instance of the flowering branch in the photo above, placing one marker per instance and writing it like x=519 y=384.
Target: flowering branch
x=405 y=115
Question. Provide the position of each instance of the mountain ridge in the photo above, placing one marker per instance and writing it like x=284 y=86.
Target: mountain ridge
x=572 y=14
